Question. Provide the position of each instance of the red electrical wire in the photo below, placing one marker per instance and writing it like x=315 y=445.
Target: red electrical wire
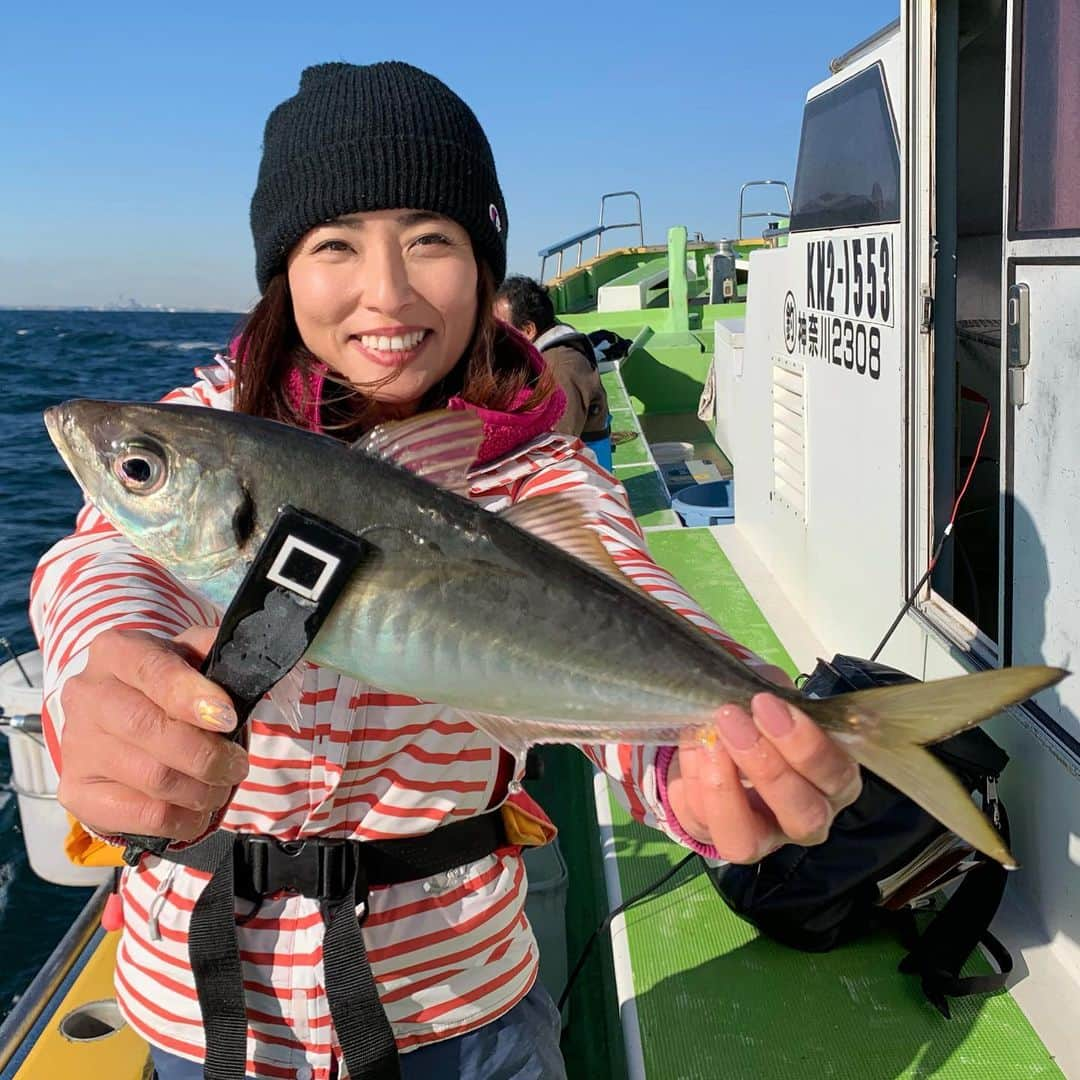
x=967 y=394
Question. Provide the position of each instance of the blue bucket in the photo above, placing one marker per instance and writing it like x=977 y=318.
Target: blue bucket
x=706 y=504
x=600 y=445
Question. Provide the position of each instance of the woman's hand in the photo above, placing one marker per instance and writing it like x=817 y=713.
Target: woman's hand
x=141 y=750
x=799 y=780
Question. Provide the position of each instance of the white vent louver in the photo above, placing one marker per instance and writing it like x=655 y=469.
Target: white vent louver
x=789 y=435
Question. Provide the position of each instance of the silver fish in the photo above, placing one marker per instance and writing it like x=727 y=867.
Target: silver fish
x=520 y=619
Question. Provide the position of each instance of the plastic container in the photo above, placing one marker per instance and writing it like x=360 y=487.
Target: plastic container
x=706 y=504
x=545 y=907
x=601 y=448
x=668 y=453
x=34 y=781
x=676 y=476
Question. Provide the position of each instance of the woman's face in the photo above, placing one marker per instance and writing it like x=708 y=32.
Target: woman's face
x=386 y=293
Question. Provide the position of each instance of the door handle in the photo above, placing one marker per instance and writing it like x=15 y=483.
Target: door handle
x=1018 y=341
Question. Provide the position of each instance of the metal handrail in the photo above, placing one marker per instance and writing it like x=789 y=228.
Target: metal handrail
x=864 y=46
x=597 y=231
x=762 y=213
x=27 y=723
x=39 y=993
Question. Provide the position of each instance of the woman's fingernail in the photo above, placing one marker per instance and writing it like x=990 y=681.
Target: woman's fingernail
x=736 y=728
x=217 y=714
x=773 y=716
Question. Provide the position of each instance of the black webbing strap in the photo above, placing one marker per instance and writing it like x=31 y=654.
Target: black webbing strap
x=938 y=954
x=215 y=961
x=339 y=874
x=363 y=1030
x=367 y=1040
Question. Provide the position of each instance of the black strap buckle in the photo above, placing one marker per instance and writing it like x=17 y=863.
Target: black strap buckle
x=320 y=869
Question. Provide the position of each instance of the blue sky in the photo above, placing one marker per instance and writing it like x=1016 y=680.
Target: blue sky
x=131 y=133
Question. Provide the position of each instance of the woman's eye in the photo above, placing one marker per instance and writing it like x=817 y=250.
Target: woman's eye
x=429 y=239
x=333 y=245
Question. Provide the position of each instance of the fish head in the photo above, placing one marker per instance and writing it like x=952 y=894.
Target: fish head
x=165 y=477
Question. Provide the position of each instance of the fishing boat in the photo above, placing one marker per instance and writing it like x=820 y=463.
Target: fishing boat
x=901 y=331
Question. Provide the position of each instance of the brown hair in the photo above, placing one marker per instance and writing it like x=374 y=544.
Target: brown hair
x=493 y=371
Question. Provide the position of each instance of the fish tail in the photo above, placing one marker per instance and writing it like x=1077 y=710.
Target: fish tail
x=886 y=728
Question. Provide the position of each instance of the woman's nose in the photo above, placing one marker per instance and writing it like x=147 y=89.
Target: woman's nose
x=385 y=286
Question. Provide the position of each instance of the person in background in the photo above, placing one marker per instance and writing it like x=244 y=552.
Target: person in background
x=526 y=305
x=380 y=237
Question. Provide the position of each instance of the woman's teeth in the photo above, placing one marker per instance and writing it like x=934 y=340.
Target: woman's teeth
x=397 y=343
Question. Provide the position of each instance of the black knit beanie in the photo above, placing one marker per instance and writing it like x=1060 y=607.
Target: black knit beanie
x=376 y=137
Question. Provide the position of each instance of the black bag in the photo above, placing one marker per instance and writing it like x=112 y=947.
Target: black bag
x=885 y=858
x=607 y=345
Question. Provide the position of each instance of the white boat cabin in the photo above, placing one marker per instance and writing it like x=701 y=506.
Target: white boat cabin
x=916 y=337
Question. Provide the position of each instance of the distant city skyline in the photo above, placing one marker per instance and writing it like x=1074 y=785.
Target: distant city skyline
x=132 y=135
x=120 y=306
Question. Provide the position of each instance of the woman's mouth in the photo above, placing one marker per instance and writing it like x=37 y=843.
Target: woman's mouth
x=392 y=350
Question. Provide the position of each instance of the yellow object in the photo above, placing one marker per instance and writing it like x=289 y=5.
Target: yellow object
x=121 y=1055
x=526 y=823
x=86 y=850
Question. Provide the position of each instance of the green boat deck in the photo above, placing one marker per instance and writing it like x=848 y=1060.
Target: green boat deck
x=712 y=998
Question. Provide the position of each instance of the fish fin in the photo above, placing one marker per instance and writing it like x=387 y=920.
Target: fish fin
x=886 y=728
x=920 y=776
x=560 y=520
x=919 y=713
x=438 y=446
x=517 y=735
x=509 y=734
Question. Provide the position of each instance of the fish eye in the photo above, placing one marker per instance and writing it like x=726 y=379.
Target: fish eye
x=140 y=468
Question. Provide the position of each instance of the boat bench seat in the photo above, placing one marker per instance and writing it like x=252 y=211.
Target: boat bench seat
x=630 y=291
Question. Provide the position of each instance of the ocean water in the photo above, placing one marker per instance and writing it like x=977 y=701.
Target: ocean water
x=47 y=357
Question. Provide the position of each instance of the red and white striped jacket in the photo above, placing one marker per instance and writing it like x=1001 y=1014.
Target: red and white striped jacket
x=449 y=954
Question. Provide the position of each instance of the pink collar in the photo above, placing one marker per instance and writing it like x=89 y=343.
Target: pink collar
x=504 y=430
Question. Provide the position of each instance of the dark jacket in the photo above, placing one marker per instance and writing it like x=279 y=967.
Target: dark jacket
x=570 y=356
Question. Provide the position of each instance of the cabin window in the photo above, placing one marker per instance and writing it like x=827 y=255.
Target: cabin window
x=1048 y=164
x=849 y=165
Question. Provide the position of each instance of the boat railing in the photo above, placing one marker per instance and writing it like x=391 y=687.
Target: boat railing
x=558 y=250
x=864 y=46
x=42 y=991
x=773 y=214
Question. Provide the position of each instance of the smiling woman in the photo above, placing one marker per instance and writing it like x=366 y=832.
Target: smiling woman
x=377 y=250
x=351 y=277
x=380 y=235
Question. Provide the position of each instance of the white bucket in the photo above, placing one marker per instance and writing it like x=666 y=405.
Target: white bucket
x=34 y=780
x=670 y=453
